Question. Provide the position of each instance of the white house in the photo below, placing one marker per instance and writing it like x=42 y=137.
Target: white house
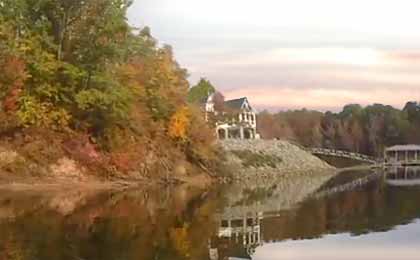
x=238 y=120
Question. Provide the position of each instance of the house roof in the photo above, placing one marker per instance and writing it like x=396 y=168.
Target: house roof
x=409 y=147
x=235 y=103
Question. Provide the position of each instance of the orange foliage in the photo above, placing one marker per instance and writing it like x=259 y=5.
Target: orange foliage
x=179 y=124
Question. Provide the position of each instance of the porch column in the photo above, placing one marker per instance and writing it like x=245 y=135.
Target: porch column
x=226 y=133
x=244 y=230
x=241 y=132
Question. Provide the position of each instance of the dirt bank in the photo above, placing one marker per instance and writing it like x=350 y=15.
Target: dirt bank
x=22 y=171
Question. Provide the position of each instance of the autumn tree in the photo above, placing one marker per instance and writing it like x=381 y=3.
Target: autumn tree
x=219 y=101
x=355 y=128
x=76 y=67
x=178 y=124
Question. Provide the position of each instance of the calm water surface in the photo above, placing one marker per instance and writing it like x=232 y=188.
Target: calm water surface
x=318 y=218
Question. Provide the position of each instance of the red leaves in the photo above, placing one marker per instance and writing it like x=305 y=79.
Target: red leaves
x=13 y=70
x=81 y=149
x=10 y=103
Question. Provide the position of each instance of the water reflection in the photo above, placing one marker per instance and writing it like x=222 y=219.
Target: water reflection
x=238 y=236
x=400 y=243
x=308 y=230
x=152 y=224
x=403 y=176
x=282 y=219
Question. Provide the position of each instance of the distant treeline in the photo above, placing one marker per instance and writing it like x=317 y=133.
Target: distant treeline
x=366 y=130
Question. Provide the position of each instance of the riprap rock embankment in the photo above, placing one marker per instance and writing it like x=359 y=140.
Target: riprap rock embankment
x=268 y=158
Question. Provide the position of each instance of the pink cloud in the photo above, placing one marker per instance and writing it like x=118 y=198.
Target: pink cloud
x=320 y=99
x=319 y=78
x=405 y=56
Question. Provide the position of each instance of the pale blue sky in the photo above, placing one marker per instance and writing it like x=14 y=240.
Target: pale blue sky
x=287 y=54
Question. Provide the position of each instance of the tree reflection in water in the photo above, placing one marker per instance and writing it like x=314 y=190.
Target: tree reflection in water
x=183 y=223
x=151 y=224
x=376 y=206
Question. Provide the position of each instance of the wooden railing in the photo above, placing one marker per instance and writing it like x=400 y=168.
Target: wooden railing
x=342 y=154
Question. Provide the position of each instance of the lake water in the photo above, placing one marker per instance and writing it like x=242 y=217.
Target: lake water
x=317 y=218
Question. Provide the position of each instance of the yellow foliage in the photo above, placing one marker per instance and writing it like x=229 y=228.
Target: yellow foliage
x=132 y=76
x=179 y=124
x=42 y=114
x=181 y=243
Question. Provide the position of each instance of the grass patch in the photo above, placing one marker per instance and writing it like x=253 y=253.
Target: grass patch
x=250 y=159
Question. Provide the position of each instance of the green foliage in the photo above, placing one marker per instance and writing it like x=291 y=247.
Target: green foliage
x=200 y=91
x=76 y=67
x=62 y=70
x=64 y=63
x=250 y=159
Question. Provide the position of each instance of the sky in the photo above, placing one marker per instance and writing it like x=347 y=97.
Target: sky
x=292 y=54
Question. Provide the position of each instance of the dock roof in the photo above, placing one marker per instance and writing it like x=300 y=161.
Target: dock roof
x=399 y=148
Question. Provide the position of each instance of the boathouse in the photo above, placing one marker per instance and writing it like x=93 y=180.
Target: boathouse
x=403 y=155
x=403 y=176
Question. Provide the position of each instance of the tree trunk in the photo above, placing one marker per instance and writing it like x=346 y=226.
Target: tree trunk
x=62 y=35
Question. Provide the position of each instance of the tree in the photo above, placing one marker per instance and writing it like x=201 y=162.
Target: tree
x=69 y=72
x=179 y=124
x=273 y=126
x=201 y=91
x=219 y=101
x=365 y=130
x=78 y=69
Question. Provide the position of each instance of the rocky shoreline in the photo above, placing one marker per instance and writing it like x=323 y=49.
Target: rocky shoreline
x=270 y=158
x=255 y=161
x=272 y=194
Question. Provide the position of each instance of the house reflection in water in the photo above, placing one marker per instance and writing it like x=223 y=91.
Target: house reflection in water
x=403 y=176
x=238 y=237
x=244 y=229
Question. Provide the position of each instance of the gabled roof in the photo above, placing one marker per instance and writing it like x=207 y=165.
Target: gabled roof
x=409 y=147
x=236 y=103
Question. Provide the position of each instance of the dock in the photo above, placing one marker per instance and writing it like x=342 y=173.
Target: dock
x=402 y=155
